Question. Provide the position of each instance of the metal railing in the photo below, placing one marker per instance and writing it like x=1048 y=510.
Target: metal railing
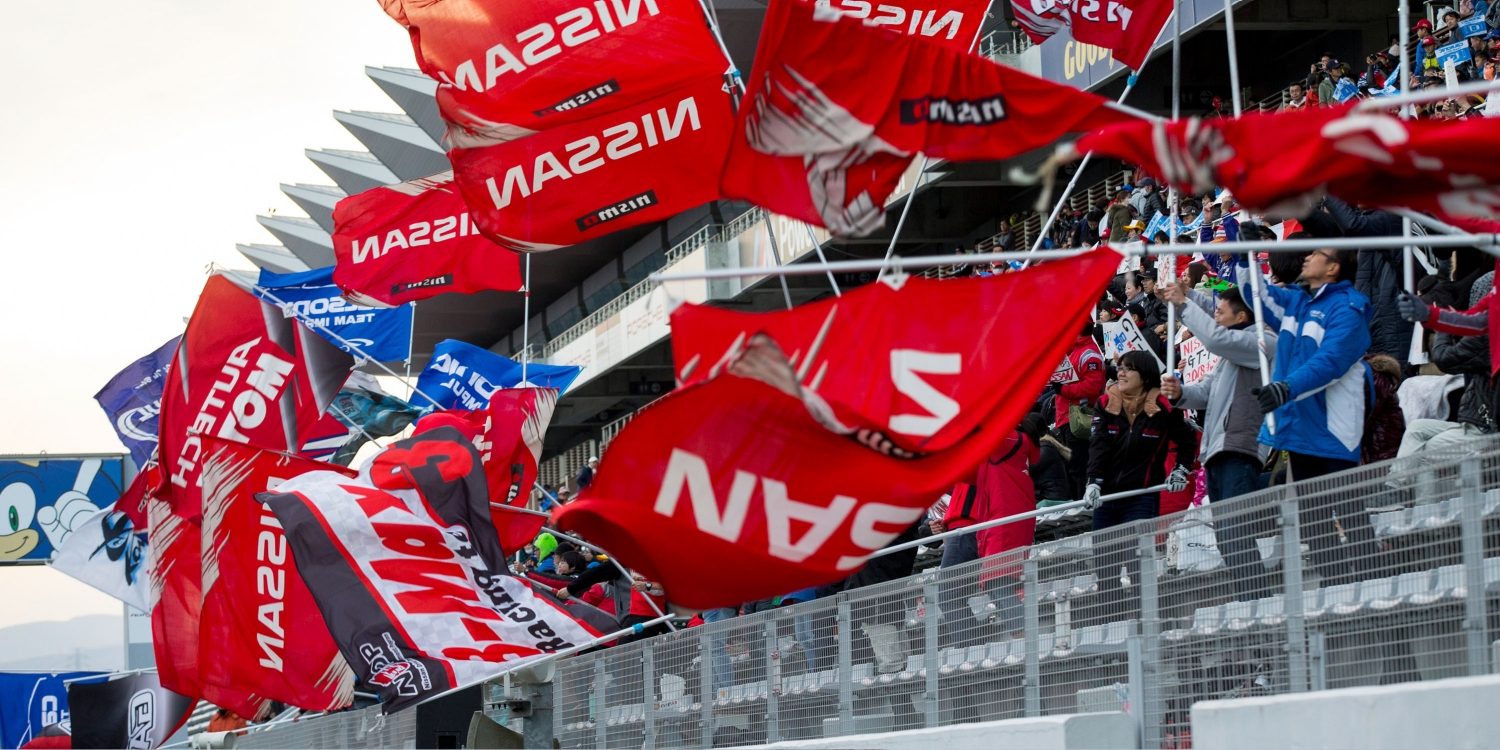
x=1003 y=43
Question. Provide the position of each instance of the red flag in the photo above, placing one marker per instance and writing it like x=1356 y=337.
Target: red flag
x=506 y=70
x=1127 y=27
x=572 y=183
x=1282 y=162
x=508 y=435
x=738 y=467
x=401 y=243
x=261 y=631
x=888 y=356
x=836 y=111
x=955 y=24
x=243 y=372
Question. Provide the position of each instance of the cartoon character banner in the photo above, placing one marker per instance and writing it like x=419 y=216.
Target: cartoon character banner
x=31 y=701
x=43 y=500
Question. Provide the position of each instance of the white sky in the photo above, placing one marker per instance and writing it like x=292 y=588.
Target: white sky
x=138 y=142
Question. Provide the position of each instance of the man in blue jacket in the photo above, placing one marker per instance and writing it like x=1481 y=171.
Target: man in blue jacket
x=1318 y=401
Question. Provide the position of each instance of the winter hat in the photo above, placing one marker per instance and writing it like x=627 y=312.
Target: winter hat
x=1482 y=286
x=545 y=545
x=1220 y=236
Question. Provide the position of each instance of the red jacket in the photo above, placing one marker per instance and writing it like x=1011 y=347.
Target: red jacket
x=1088 y=378
x=1004 y=489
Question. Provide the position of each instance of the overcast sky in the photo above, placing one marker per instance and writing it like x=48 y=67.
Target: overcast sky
x=138 y=142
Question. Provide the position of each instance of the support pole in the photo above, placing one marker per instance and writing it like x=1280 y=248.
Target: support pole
x=1256 y=282
x=526 y=321
x=901 y=220
x=786 y=291
x=818 y=248
x=1234 y=60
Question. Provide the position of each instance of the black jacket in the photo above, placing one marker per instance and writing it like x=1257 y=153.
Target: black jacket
x=1379 y=274
x=1469 y=356
x=1125 y=455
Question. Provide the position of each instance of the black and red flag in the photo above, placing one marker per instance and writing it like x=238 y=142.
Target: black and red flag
x=507 y=70
x=407 y=570
x=794 y=456
x=1128 y=28
x=835 y=111
x=244 y=372
x=401 y=243
x=262 y=638
x=135 y=711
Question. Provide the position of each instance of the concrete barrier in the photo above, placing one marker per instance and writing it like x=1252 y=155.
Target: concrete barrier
x=1064 y=732
x=1453 y=713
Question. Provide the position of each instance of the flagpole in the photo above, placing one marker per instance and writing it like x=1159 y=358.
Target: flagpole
x=1234 y=60
x=1068 y=190
x=411 y=345
x=786 y=291
x=1414 y=354
x=110 y=675
x=1061 y=508
x=818 y=246
x=526 y=321
x=1488 y=242
x=311 y=323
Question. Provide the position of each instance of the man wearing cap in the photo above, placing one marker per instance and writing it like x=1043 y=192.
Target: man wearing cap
x=1146 y=199
x=586 y=474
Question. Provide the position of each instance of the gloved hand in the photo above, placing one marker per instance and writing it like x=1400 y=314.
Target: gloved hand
x=1177 y=481
x=1412 y=308
x=1272 y=396
x=1092 y=497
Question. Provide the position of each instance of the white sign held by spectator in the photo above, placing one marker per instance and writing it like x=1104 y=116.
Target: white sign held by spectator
x=1196 y=363
x=1122 y=336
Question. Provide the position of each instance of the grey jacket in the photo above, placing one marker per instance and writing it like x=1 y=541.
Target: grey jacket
x=1233 y=417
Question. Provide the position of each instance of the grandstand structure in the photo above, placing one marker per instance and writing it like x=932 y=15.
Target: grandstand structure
x=1425 y=609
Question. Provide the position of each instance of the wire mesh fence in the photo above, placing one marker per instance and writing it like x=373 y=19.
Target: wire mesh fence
x=364 y=728
x=1383 y=574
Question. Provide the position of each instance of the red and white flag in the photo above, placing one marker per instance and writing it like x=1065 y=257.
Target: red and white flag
x=955 y=24
x=753 y=466
x=508 y=435
x=1281 y=163
x=407 y=571
x=506 y=70
x=887 y=356
x=835 y=112
x=1128 y=28
x=573 y=183
x=401 y=243
x=243 y=372
x=260 y=629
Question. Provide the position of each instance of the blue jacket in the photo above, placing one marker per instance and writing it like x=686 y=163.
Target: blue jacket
x=1319 y=355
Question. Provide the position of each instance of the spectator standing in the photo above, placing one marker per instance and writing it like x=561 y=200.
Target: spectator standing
x=1119 y=213
x=1379 y=276
x=1231 y=451
x=1134 y=427
x=1296 y=97
x=1146 y=199
x=1075 y=400
x=586 y=474
x=1318 y=398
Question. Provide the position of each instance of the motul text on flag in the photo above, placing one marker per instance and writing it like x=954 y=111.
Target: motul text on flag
x=754 y=465
x=835 y=111
x=573 y=183
x=506 y=70
x=401 y=243
x=261 y=631
x=408 y=573
x=1128 y=28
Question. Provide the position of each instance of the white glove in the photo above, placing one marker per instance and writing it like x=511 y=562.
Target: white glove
x=1092 y=497
x=1177 y=481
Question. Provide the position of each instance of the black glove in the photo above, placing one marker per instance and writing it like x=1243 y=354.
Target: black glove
x=1412 y=308
x=1272 y=396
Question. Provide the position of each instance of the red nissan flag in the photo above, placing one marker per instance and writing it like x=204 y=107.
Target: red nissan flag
x=261 y=630
x=750 y=466
x=573 y=183
x=1128 y=28
x=887 y=356
x=1282 y=162
x=835 y=111
x=508 y=435
x=242 y=372
x=506 y=70
x=401 y=243
x=955 y=24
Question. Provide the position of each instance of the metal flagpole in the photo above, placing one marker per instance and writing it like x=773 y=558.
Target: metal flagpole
x=526 y=322
x=786 y=291
x=1173 y=201
x=1415 y=354
x=1234 y=60
x=922 y=170
x=1487 y=241
x=311 y=323
x=411 y=345
x=818 y=246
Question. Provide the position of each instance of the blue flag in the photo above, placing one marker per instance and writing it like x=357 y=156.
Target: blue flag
x=380 y=333
x=464 y=376
x=33 y=701
x=1346 y=90
x=132 y=400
